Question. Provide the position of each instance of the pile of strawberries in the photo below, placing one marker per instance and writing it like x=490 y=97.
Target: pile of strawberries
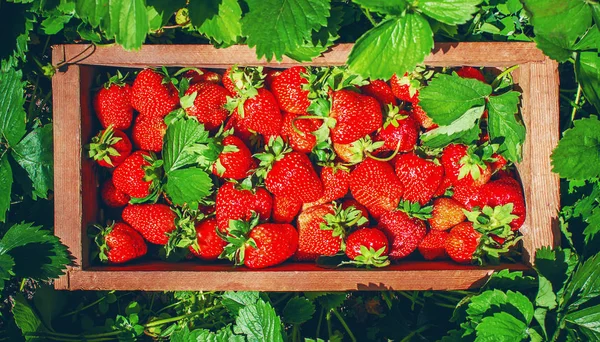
x=310 y=163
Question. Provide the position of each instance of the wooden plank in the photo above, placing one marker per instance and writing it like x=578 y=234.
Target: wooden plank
x=411 y=275
x=67 y=160
x=494 y=54
x=542 y=186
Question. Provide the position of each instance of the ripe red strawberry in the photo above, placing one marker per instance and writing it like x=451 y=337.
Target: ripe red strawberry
x=470 y=72
x=260 y=245
x=399 y=129
x=237 y=202
x=148 y=132
x=152 y=94
x=119 y=243
x=209 y=105
x=502 y=192
x=499 y=164
x=304 y=142
x=463 y=243
x=356 y=115
x=322 y=229
x=270 y=76
x=289 y=174
x=446 y=214
x=363 y=210
x=420 y=178
x=112 y=104
x=260 y=113
x=336 y=182
x=381 y=91
x=368 y=247
x=285 y=209
x=112 y=197
x=202 y=76
x=153 y=221
x=209 y=244
x=405 y=88
x=235 y=161
x=404 y=232
x=422 y=118
x=287 y=89
x=432 y=247
x=130 y=176
x=444 y=186
x=228 y=81
x=375 y=185
x=110 y=147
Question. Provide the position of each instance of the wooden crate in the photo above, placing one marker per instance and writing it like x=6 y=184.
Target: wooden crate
x=76 y=188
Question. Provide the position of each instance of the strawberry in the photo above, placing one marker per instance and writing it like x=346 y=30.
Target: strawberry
x=421 y=117
x=470 y=72
x=285 y=209
x=444 y=186
x=270 y=76
x=374 y=184
x=357 y=151
x=432 y=247
x=420 y=178
x=353 y=203
x=153 y=221
x=260 y=245
x=289 y=174
x=259 y=113
x=300 y=139
x=404 y=232
x=499 y=163
x=110 y=147
x=208 y=105
x=381 y=91
x=112 y=196
x=152 y=94
x=336 y=181
x=399 y=131
x=288 y=89
x=463 y=242
x=467 y=171
x=130 y=177
x=238 y=201
x=209 y=244
x=446 y=214
x=119 y=243
x=148 y=132
x=322 y=229
x=202 y=75
x=355 y=116
x=405 y=88
x=112 y=104
x=368 y=247
x=235 y=161
x=502 y=192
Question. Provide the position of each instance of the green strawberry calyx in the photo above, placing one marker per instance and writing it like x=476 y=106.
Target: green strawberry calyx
x=476 y=159
x=393 y=114
x=101 y=147
x=341 y=221
x=118 y=79
x=415 y=209
x=370 y=257
x=275 y=150
x=362 y=148
x=238 y=239
x=99 y=234
x=184 y=234
x=246 y=81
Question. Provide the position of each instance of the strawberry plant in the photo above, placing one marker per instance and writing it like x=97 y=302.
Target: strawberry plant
x=557 y=302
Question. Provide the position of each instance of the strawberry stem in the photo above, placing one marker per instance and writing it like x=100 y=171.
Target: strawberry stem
x=386 y=159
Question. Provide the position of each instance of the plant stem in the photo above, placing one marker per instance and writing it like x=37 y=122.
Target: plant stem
x=177 y=318
x=319 y=324
x=369 y=16
x=84 y=307
x=22 y=284
x=295 y=334
x=415 y=332
x=576 y=105
x=281 y=299
x=502 y=74
x=329 y=329
x=341 y=319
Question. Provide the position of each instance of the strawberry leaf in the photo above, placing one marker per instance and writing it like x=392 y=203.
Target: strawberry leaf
x=503 y=125
x=502 y=326
x=12 y=114
x=394 y=7
x=188 y=186
x=298 y=310
x=200 y=11
x=290 y=23
x=576 y=156
x=185 y=142
x=464 y=124
x=6 y=181
x=587 y=70
x=6 y=269
x=225 y=27
x=452 y=12
x=34 y=154
x=128 y=22
x=259 y=322
x=389 y=41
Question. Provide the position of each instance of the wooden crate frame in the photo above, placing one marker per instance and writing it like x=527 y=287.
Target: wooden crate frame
x=75 y=183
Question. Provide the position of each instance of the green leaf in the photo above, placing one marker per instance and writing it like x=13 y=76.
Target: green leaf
x=464 y=124
x=593 y=227
x=23 y=234
x=185 y=335
x=507 y=280
x=329 y=300
x=160 y=11
x=55 y=23
x=289 y=24
x=225 y=27
x=556 y=49
x=447 y=97
x=491 y=301
x=298 y=310
x=503 y=125
x=452 y=12
x=587 y=70
x=92 y=12
x=6 y=181
x=12 y=114
x=555 y=265
x=590 y=41
x=16 y=23
x=545 y=297
x=585 y=284
x=587 y=320
x=34 y=154
x=234 y=301
x=435 y=139
x=188 y=186
x=25 y=318
x=259 y=322
x=394 y=7
x=501 y=327
x=179 y=142
x=49 y=303
x=6 y=266
x=128 y=23
x=576 y=157
x=223 y=335
x=201 y=10
x=402 y=42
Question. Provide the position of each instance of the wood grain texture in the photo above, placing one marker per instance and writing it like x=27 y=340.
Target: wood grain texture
x=411 y=275
x=494 y=54
x=76 y=181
